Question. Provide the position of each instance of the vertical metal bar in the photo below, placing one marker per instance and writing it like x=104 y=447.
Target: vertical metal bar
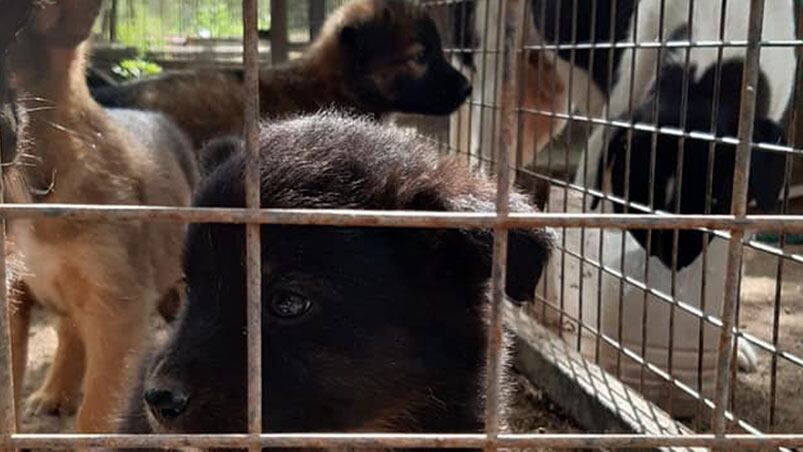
x=252 y=201
x=278 y=31
x=317 y=15
x=684 y=106
x=792 y=134
x=739 y=209
x=605 y=137
x=628 y=151
x=7 y=408
x=113 y=21
x=7 y=411
x=580 y=272
x=512 y=42
x=709 y=187
x=651 y=198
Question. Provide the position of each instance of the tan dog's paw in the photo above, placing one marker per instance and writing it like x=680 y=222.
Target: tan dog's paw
x=46 y=403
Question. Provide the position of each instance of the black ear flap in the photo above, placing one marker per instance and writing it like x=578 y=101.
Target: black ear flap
x=351 y=38
x=217 y=151
x=767 y=167
x=527 y=255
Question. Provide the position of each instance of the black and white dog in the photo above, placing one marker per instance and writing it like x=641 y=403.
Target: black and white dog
x=696 y=89
x=645 y=85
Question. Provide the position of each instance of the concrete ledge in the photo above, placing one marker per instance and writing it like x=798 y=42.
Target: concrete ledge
x=596 y=400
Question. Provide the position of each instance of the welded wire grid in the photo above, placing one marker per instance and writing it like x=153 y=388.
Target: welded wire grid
x=766 y=401
x=497 y=99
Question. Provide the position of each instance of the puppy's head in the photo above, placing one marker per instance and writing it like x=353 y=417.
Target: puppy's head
x=66 y=23
x=654 y=180
x=393 y=59
x=364 y=329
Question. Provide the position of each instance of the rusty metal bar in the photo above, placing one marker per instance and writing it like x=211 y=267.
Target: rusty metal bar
x=7 y=390
x=278 y=31
x=316 y=11
x=8 y=422
x=512 y=13
x=661 y=130
x=386 y=440
x=398 y=218
x=676 y=44
x=252 y=201
x=739 y=210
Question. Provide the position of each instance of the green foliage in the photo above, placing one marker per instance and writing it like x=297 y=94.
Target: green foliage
x=136 y=68
x=152 y=24
x=149 y=24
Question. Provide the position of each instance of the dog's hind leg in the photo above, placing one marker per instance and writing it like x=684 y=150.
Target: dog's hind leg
x=61 y=390
x=113 y=332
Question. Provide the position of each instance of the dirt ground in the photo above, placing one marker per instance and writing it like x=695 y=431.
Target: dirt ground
x=753 y=390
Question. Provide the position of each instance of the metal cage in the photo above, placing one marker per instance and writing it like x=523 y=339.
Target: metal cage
x=489 y=133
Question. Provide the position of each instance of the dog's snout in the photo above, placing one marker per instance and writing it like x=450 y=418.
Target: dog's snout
x=166 y=404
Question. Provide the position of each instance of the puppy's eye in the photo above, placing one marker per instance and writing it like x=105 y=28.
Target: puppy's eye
x=289 y=305
x=419 y=57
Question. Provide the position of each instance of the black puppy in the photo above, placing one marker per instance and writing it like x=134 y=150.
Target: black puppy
x=364 y=329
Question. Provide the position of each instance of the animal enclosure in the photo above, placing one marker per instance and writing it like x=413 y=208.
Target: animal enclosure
x=661 y=138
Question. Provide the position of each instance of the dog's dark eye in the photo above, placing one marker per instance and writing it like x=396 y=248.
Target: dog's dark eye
x=289 y=305
x=419 y=57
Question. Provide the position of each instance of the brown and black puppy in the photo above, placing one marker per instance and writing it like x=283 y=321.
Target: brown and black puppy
x=372 y=57
x=102 y=278
x=365 y=329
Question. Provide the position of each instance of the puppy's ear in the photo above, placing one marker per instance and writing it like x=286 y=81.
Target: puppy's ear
x=469 y=253
x=767 y=167
x=15 y=14
x=217 y=151
x=352 y=37
x=67 y=23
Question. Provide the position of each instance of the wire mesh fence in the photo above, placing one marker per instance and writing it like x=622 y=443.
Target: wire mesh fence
x=624 y=109
x=634 y=124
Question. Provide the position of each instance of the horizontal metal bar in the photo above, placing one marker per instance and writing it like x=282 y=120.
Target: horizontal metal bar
x=713 y=44
x=660 y=130
x=397 y=218
x=386 y=440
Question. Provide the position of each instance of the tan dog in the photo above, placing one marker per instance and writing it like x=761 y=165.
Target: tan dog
x=102 y=278
x=372 y=57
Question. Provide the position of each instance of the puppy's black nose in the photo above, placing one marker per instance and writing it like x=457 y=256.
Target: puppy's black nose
x=165 y=404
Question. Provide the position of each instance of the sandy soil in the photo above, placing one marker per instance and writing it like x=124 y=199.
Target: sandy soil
x=753 y=391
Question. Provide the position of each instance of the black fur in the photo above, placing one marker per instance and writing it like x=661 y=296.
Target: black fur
x=610 y=22
x=15 y=15
x=765 y=185
x=371 y=47
x=394 y=338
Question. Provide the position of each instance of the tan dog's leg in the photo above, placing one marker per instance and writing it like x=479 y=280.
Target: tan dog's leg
x=60 y=393
x=113 y=332
x=20 y=308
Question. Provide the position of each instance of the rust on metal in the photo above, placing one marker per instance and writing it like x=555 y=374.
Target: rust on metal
x=739 y=210
x=512 y=14
x=398 y=218
x=252 y=194
x=389 y=440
